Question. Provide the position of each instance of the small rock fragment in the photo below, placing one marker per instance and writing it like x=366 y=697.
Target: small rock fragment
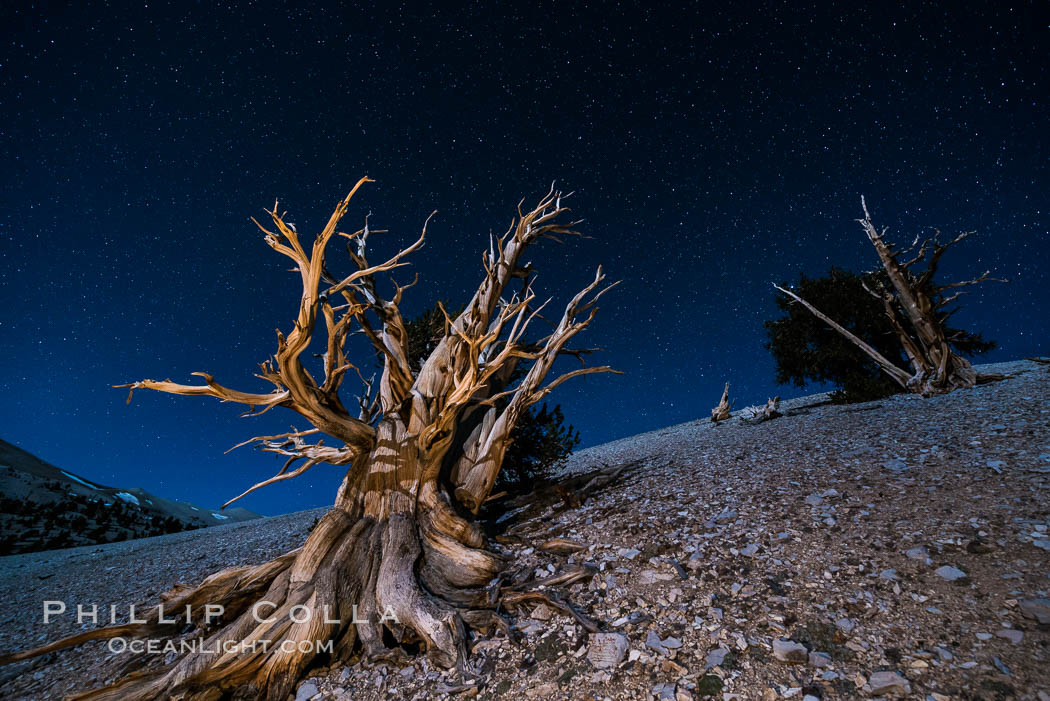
x=790 y=652
x=727 y=516
x=1014 y=636
x=846 y=625
x=664 y=692
x=607 y=650
x=542 y=691
x=884 y=683
x=895 y=465
x=749 y=550
x=1037 y=609
x=306 y=691
x=673 y=667
x=819 y=659
x=716 y=657
x=919 y=553
x=652 y=577
x=950 y=573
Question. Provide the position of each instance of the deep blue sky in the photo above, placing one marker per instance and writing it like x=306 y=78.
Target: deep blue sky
x=713 y=150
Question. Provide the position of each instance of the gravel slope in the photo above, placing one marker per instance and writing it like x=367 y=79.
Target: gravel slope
x=895 y=548
x=125 y=573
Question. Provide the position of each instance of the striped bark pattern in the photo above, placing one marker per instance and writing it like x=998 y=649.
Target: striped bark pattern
x=399 y=561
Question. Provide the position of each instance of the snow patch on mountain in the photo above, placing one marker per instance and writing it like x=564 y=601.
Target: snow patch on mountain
x=77 y=479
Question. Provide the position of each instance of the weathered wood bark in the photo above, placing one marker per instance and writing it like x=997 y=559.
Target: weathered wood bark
x=724 y=409
x=399 y=552
x=916 y=308
x=758 y=414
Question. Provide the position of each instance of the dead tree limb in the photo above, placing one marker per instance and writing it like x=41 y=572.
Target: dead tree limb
x=400 y=550
x=916 y=308
x=758 y=414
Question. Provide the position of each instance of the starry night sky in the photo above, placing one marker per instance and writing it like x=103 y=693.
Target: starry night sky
x=713 y=150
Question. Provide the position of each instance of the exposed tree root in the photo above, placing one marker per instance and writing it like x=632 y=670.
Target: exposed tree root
x=330 y=601
x=400 y=556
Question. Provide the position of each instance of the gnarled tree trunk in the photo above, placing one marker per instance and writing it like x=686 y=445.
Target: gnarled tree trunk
x=935 y=367
x=399 y=556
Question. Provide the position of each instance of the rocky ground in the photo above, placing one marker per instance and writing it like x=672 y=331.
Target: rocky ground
x=892 y=549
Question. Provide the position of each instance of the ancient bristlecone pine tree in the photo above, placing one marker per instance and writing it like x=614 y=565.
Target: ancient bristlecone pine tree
x=916 y=308
x=400 y=557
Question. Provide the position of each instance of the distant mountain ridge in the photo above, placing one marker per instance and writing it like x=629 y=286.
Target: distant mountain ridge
x=43 y=507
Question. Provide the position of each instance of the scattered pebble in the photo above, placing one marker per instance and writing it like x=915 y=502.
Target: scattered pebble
x=821 y=521
x=1037 y=609
x=790 y=652
x=950 y=573
x=607 y=650
x=1014 y=636
x=888 y=683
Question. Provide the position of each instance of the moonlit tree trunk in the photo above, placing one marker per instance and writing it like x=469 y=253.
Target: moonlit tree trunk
x=915 y=307
x=400 y=550
x=724 y=409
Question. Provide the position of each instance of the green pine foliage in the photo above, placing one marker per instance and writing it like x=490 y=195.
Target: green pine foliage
x=540 y=441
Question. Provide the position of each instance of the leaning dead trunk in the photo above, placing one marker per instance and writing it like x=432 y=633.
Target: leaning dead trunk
x=398 y=557
x=915 y=307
